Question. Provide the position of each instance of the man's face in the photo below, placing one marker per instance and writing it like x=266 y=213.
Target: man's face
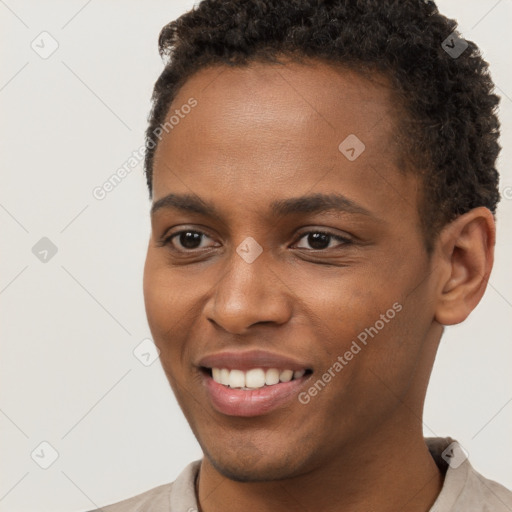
x=268 y=134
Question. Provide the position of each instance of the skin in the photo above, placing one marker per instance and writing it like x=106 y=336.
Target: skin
x=265 y=133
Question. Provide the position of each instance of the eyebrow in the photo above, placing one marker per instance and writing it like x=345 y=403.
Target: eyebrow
x=314 y=203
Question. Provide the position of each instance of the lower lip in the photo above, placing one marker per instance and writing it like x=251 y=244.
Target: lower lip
x=240 y=402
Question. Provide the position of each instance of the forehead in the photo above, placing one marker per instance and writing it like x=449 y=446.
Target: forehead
x=313 y=96
x=257 y=130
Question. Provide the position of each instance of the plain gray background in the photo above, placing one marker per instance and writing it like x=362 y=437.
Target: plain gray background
x=70 y=324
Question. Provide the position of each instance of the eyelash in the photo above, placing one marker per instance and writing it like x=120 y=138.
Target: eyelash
x=167 y=240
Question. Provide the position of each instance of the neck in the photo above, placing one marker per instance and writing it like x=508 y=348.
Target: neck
x=388 y=474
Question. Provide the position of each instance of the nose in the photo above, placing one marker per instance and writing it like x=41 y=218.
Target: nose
x=249 y=293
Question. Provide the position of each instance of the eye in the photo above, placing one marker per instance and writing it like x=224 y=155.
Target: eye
x=186 y=240
x=320 y=240
x=190 y=240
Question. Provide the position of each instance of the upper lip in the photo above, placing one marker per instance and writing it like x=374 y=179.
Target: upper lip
x=251 y=359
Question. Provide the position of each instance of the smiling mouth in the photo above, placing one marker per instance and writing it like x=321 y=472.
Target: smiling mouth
x=255 y=378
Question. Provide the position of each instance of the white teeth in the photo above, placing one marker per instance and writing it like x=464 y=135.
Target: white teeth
x=216 y=374
x=236 y=379
x=286 y=375
x=254 y=378
x=224 y=377
x=272 y=376
x=298 y=374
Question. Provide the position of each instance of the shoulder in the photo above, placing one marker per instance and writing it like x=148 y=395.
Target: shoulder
x=487 y=494
x=157 y=498
x=464 y=488
x=175 y=496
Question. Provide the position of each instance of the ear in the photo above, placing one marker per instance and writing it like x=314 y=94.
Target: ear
x=465 y=255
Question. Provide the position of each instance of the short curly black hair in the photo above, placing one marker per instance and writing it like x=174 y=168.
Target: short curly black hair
x=450 y=129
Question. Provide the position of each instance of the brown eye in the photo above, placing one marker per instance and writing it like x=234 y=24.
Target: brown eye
x=320 y=240
x=189 y=239
x=186 y=240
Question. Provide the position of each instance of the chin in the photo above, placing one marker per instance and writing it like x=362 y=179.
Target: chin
x=252 y=466
x=243 y=473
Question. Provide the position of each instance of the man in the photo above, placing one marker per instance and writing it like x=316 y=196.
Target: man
x=324 y=187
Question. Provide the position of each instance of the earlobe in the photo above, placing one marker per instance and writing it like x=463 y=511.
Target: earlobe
x=466 y=255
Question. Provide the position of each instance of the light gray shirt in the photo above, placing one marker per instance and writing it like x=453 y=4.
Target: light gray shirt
x=464 y=490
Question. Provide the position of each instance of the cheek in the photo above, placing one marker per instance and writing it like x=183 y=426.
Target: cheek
x=152 y=287
x=375 y=331
x=393 y=352
x=160 y=300
x=162 y=288
x=348 y=304
x=170 y=313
